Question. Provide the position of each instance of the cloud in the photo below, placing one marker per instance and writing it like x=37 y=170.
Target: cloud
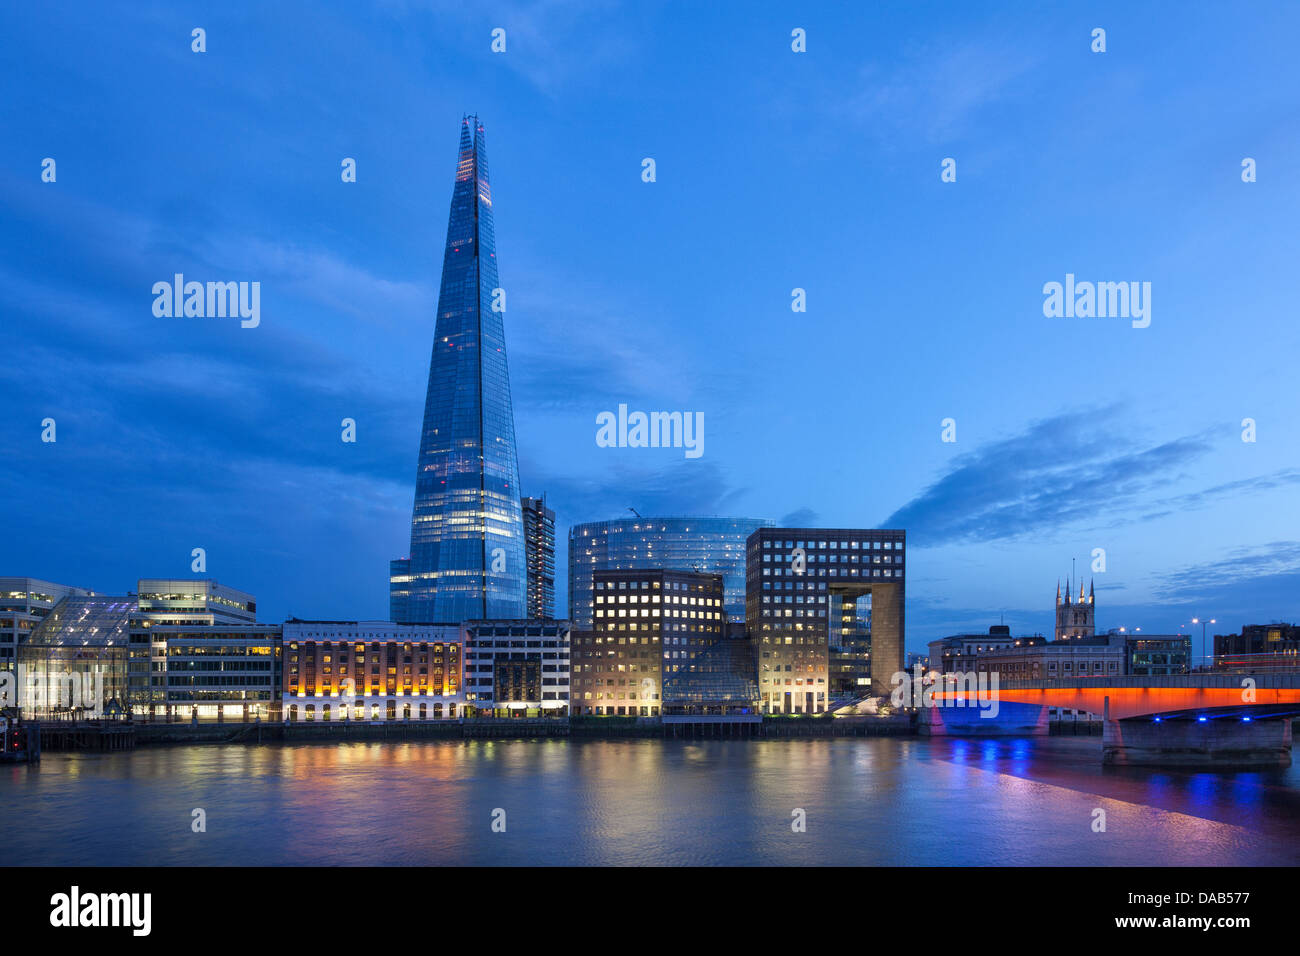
x=1072 y=467
x=932 y=618
x=120 y=379
x=683 y=488
x=552 y=44
x=801 y=518
x=1249 y=585
x=312 y=275
x=1258 y=567
x=1231 y=489
x=579 y=347
x=132 y=484
x=940 y=88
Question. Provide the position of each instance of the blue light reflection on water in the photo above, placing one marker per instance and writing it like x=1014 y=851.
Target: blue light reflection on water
x=866 y=801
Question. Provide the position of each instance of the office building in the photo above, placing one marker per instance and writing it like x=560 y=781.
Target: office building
x=466 y=558
x=1157 y=654
x=711 y=545
x=224 y=672
x=799 y=580
x=1259 y=647
x=717 y=682
x=539 y=555
x=182 y=601
x=73 y=665
x=24 y=603
x=960 y=653
x=1035 y=658
x=517 y=668
x=1069 y=659
x=370 y=670
x=849 y=668
x=653 y=643
x=165 y=603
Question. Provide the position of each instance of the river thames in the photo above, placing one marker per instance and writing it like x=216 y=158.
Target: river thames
x=866 y=802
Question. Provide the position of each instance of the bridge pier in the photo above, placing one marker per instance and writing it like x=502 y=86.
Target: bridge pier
x=1006 y=719
x=1214 y=743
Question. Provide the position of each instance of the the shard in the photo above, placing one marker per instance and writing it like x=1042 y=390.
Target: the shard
x=467 y=548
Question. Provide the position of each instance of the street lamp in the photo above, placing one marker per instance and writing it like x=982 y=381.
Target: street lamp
x=1200 y=621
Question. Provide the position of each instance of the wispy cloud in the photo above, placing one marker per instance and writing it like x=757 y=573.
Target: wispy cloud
x=1277 y=562
x=683 y=488
x=552 y=44
x=940 y=87
x=1068 y=468
x=322 y=278
x=578 y=347
x=1230 y=489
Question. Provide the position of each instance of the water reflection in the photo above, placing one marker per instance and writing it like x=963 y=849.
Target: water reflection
x=867 y=802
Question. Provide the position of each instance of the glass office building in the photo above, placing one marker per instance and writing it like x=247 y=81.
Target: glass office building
x=720 y=682
x=74 y=664
x=467 y=548
x=713 y=545
x=24 y=602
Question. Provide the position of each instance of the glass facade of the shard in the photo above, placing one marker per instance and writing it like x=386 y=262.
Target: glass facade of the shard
x=467 y=549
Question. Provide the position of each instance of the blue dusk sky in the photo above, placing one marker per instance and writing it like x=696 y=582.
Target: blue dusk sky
x=775 y=170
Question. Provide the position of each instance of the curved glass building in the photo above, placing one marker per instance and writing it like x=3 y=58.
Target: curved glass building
x=710 y=544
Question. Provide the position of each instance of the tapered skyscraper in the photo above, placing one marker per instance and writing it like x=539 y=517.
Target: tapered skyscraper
x=467 y=548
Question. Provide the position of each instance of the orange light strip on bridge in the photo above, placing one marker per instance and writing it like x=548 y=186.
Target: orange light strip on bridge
x=1128 y=702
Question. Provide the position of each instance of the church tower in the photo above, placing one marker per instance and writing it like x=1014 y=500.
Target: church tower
x=1075 y=616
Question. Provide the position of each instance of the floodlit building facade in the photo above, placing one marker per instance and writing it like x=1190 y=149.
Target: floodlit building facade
x=960 y=653
x=652 y=644
x=1076 y=615
x=370 y=670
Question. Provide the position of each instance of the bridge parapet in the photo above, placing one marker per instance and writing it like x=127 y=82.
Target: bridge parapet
x=1263 y=681
x=1122 y=698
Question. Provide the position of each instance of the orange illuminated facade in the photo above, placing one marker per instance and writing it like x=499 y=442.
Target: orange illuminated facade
x=372 y=670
